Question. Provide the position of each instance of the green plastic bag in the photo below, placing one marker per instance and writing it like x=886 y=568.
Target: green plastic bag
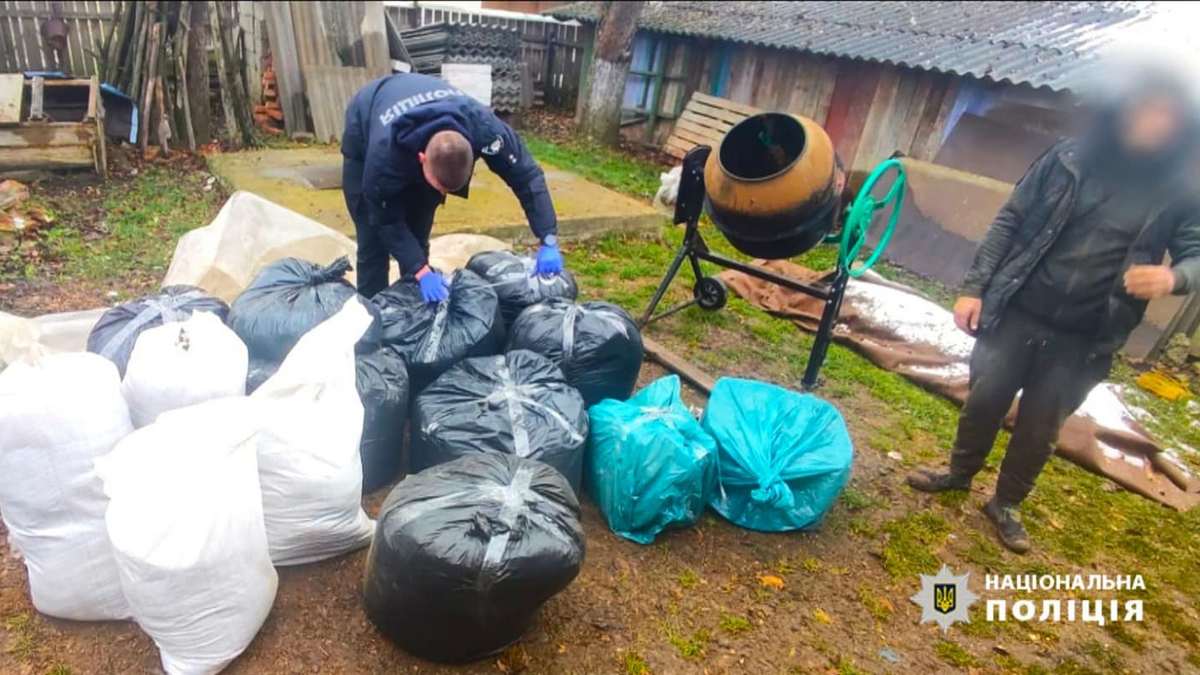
x=784 y=456
x=649 y=464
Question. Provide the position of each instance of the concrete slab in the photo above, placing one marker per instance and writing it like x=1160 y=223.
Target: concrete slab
x=291 y=177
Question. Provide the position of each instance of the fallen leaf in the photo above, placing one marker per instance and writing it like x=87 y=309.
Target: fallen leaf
x=771 y=581
x=822 y=616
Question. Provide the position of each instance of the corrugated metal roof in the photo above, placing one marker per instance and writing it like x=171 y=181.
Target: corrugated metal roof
x=1045 y=44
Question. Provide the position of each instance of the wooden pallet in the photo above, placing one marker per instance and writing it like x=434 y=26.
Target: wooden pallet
x=704 y=121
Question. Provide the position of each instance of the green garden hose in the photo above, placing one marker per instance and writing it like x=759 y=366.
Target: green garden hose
x=861 y=213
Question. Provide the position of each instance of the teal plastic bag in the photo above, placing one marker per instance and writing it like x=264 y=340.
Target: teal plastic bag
x=650 y=465
x=784 y=456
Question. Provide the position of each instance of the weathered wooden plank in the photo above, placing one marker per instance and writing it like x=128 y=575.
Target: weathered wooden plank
x=12 y=92
x=675 y=363
x=37 y=99
x=286 y=63
x=330 y=89
x=928 y=138
x=694 y=129
x=725 y=103
x=693 y=137
x=676 y=147
x=44 y=135
x=70 y=10
x=8 y=51
x=704 y=121
x=46 y=157
x=729 y=115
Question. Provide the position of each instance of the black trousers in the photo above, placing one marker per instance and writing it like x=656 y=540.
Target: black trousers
x=1054 y=371
x=373 y=251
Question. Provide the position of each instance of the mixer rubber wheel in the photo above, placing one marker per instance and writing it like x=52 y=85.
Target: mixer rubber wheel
x=710 y=293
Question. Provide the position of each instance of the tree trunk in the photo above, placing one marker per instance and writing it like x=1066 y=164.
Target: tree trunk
x=610 y=66
x=197 y=72
x=234 y=100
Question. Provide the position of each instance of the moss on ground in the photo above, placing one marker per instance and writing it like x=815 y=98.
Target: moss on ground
x=954 y=654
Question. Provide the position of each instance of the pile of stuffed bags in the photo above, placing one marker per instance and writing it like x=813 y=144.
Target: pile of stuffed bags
x=163 y=476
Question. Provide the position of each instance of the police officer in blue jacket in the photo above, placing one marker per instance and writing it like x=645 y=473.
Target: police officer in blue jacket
x=409 y=141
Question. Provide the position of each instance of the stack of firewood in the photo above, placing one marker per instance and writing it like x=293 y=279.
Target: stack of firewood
x=158 y=53
x=269 y=116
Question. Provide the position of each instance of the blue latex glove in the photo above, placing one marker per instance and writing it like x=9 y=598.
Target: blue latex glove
x=433 y=285
x=549 y=259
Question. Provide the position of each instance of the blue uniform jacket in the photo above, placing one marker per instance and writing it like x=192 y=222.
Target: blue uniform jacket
x=391 y=119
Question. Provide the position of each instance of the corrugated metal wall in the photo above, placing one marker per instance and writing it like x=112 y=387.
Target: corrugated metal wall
x=551 y=50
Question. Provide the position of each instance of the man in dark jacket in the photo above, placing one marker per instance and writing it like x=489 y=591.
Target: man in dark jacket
x=409 y=141
x=1064 y=275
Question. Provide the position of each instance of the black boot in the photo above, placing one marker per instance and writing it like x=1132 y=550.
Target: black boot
x=930 y=480
x=1010 y=530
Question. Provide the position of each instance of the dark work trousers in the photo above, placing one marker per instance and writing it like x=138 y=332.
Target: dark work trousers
x=1053 y=370
x=418 y=206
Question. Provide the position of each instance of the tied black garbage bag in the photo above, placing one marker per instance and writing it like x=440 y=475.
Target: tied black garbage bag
x=286 y=300
x=516 y=284
x=512 y=404
x=597 y=345
x=383 y=390
x=466 y=552
x=434 y=337
x=118 y=329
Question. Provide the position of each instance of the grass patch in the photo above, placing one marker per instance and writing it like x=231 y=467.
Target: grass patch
x=734 y=624
x=688 y=578
x=634 y=664
x=911 y=542
x=954 y=654
x=23 y=636
x=139 y=230
x=1104 y=656
x=846 y=666
x=690 y=647
x=855 y=499
x=879 y=607
x=1122 y=635
x=601 y=164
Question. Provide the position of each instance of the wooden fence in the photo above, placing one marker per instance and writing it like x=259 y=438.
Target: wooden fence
x=551 y=50
x=23 y=48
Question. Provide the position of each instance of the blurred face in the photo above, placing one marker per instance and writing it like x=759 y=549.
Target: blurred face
x=1151 y=125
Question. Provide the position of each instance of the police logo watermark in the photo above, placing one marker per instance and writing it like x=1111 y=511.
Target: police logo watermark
x=944 y=598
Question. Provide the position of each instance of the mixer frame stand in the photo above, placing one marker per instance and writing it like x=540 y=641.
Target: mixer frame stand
x=689 y=204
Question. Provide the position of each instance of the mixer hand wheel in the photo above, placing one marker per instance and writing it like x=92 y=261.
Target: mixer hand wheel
x=862 y=212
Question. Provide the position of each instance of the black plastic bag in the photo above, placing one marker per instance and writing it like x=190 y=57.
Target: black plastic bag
x=383 y=390
x=433 y=338
x=516 y=285
x=466 y=552
x=114 y=335
x=597 y=345
x=511 y=404
x=286 y=300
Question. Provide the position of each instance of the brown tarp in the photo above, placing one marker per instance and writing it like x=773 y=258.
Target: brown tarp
x=905 y=333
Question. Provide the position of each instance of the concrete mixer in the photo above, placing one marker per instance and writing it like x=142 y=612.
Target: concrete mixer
x=773 y=190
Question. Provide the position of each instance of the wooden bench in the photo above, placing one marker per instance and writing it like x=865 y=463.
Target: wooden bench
x=704 y=121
